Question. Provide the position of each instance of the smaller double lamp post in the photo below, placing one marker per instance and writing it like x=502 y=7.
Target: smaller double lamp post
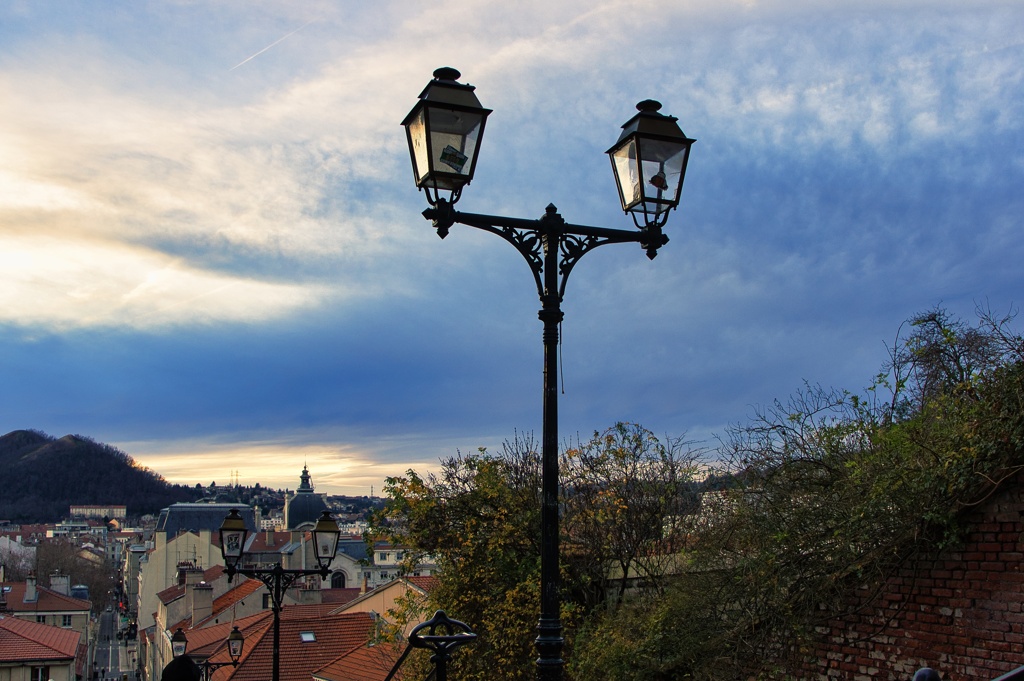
x=184 y=668
x=444 y=130
x=277 y=579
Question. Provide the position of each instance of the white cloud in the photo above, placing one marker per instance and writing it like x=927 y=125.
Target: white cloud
x=70 y=282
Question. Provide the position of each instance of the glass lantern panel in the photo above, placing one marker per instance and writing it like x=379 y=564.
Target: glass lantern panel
x=234 y=648
x=454 y=136
x=418 y=142
x=233 y=541
x=627 y=174
x=662 y=168
x=326 y=545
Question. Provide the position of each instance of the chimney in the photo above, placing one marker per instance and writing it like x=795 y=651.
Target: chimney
x=193 y=576
x=31 y=596
x=201 y=601
x=362 y=588
x=60 y=583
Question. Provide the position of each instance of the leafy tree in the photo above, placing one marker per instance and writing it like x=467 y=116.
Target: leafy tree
x=830 y=491
x=625 y=496
x=17 y=562
x=65 y=557
x=479 y=517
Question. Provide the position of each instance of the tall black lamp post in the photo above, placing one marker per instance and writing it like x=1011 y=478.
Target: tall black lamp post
x=649 y=161
x=233 y=535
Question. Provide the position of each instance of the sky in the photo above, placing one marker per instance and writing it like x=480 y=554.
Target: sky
x=212 y=255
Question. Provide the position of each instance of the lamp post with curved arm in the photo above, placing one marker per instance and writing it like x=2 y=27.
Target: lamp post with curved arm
x=444 y=130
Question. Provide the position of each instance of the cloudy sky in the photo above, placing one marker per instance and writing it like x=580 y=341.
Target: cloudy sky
x=212 y=254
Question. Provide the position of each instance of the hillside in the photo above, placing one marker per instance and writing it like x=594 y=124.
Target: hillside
x=44 y=475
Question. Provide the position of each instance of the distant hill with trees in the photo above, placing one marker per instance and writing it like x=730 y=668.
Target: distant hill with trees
x=45 y=475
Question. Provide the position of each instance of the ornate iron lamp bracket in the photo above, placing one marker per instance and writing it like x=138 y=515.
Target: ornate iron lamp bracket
x=533 y=239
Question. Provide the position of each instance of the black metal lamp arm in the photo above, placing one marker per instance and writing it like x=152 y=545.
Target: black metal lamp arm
x=532 y=238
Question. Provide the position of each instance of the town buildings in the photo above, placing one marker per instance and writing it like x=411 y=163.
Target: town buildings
x=170 y=576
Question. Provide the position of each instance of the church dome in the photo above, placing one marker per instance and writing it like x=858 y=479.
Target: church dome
x=305 y=506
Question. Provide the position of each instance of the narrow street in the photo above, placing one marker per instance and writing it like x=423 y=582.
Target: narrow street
x=113 y=659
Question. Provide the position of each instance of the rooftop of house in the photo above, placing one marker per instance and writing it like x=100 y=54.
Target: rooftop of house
x=269 y=541
x=365 y=663
x=210 y=642
x=310 y=639
x=425 y=584
x=23 y=641
x=339 y=596
x=353 y=548
x=404 y=584
x=46 y=600
x=195 y=517
x=176 y=591
x=222 y=604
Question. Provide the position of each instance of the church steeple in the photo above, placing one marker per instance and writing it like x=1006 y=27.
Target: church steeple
x=305 y=485
x=305 y=506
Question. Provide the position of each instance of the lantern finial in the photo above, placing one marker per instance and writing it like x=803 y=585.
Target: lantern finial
x=447 y=73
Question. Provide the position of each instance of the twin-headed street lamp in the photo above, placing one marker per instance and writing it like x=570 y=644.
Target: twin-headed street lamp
x=182 y=668
x=277 y=579
x=444 y=130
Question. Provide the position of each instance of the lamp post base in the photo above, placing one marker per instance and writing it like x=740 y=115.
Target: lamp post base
x=549 y=645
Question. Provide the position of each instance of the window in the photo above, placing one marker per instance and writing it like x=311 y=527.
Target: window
x=41 y=619
x=40 y=673
x=307 y=636
x=382 y=557
x=266 y=601
x=65 y=620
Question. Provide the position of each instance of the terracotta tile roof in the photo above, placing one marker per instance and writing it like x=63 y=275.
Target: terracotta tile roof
x=425 y=584
x=308 y=610
x=21 y=640
x=222 y=603
x=365 y=663
x=261 y=627
x=339 y=596
x=243 y=590
x=210 y=641
x=46 y=600
x=333 y=635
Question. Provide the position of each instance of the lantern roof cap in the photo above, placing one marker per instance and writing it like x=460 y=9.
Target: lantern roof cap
x=445 y=88
x=650 y=122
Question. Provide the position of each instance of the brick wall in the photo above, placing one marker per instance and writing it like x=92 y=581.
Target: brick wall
x=959 y=612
